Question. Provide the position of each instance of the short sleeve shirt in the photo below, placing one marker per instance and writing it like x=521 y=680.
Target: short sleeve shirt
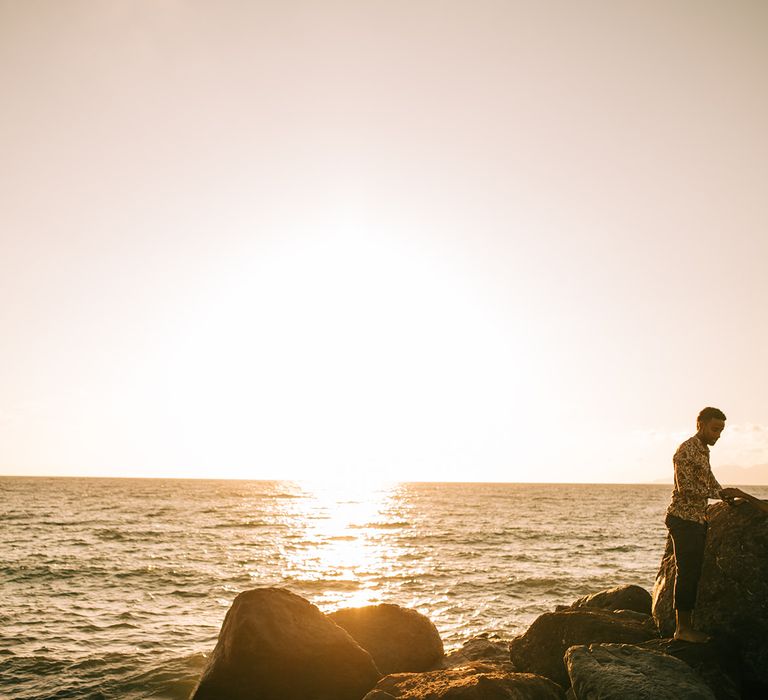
x=694 y=481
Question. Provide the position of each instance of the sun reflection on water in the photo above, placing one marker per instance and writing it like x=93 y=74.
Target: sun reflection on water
x=342 y=555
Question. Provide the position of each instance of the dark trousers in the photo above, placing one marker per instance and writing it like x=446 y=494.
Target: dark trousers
x=688 y=538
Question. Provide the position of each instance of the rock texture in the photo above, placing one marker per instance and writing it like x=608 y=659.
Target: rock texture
x=717 y=665
x=399 y=639
x=490 y=650
x=732 y=603
x=540 y=650
x=626 y=672
x=275 y=645
x=477 y=682
x=619 y=598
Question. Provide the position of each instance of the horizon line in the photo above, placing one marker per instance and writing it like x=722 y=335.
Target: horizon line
x=316 y=480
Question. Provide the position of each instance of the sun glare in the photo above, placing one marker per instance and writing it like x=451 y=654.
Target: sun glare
x=341 y=522
x=340 y=353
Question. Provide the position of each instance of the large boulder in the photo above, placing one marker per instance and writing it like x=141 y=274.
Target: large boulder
x=540 y=650
x=627 y=597
x=489 y=650
x=612 y=671
x=399 y=639
x=475 y=682
x=717 y=664
x=732 y=603
x=275 y=645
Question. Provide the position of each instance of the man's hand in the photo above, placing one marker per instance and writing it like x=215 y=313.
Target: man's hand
x=729 y=494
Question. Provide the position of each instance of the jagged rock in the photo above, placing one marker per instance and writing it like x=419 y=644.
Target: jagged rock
x=732 y=603
x=620 y=598
x=475 y=682
x=480 y=648
x=540 y=650
x=275 y=645
x=627 y=672
x=399 y=639
x=718 y=665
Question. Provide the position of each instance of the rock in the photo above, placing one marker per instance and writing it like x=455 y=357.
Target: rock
x=475 y=682
x=627 y=672
x=480 y=648
x=540 y=650
x=718 y=666
x=662 y=607
x=619 y=598
x=275 y=645
x=731 y=603
x=643 y=619
x=399 y=639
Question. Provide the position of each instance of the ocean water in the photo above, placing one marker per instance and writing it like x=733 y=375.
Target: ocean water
x=117 y=588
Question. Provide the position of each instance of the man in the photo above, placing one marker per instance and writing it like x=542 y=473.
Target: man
x=686 y=521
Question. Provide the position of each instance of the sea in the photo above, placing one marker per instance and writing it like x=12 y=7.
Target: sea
x=117 y=588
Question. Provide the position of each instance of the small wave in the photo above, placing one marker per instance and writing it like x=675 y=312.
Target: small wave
x=108 y=533
x=128 y=615
x=621 y=548
x=386 y=525
x=241 y=524
x=45 y=572
x=173 y=678
x=160 y=512
x=325 y=584
x=521 y=557
x=100 y=628
x=189 y=594
x=158 y=574
x=10 y=517
x=538 y=582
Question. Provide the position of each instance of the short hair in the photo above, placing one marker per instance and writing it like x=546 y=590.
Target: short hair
x=709 y=413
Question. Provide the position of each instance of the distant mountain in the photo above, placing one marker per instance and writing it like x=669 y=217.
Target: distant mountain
x=732 y=475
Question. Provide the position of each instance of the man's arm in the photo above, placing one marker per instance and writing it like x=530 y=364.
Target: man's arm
x=713 y=486
x=685 y=469
x=730 y=493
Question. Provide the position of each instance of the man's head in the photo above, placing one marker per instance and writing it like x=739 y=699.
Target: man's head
x=710 y=424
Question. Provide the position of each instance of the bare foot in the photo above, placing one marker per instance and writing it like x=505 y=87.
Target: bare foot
x=691 y=636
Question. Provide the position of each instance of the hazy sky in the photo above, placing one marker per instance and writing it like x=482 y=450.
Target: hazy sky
x=516 y=241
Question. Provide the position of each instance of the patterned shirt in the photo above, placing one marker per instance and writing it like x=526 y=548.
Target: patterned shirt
x=694 y=481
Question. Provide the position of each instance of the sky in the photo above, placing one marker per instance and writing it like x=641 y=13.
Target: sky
x=431 y=240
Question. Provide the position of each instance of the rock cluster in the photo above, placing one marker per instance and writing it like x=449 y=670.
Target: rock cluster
x=473 y=682
x=542 y=648
x=732 y=603
x=275 y=645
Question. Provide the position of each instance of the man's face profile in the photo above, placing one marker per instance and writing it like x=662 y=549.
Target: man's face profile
x=710 y=430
